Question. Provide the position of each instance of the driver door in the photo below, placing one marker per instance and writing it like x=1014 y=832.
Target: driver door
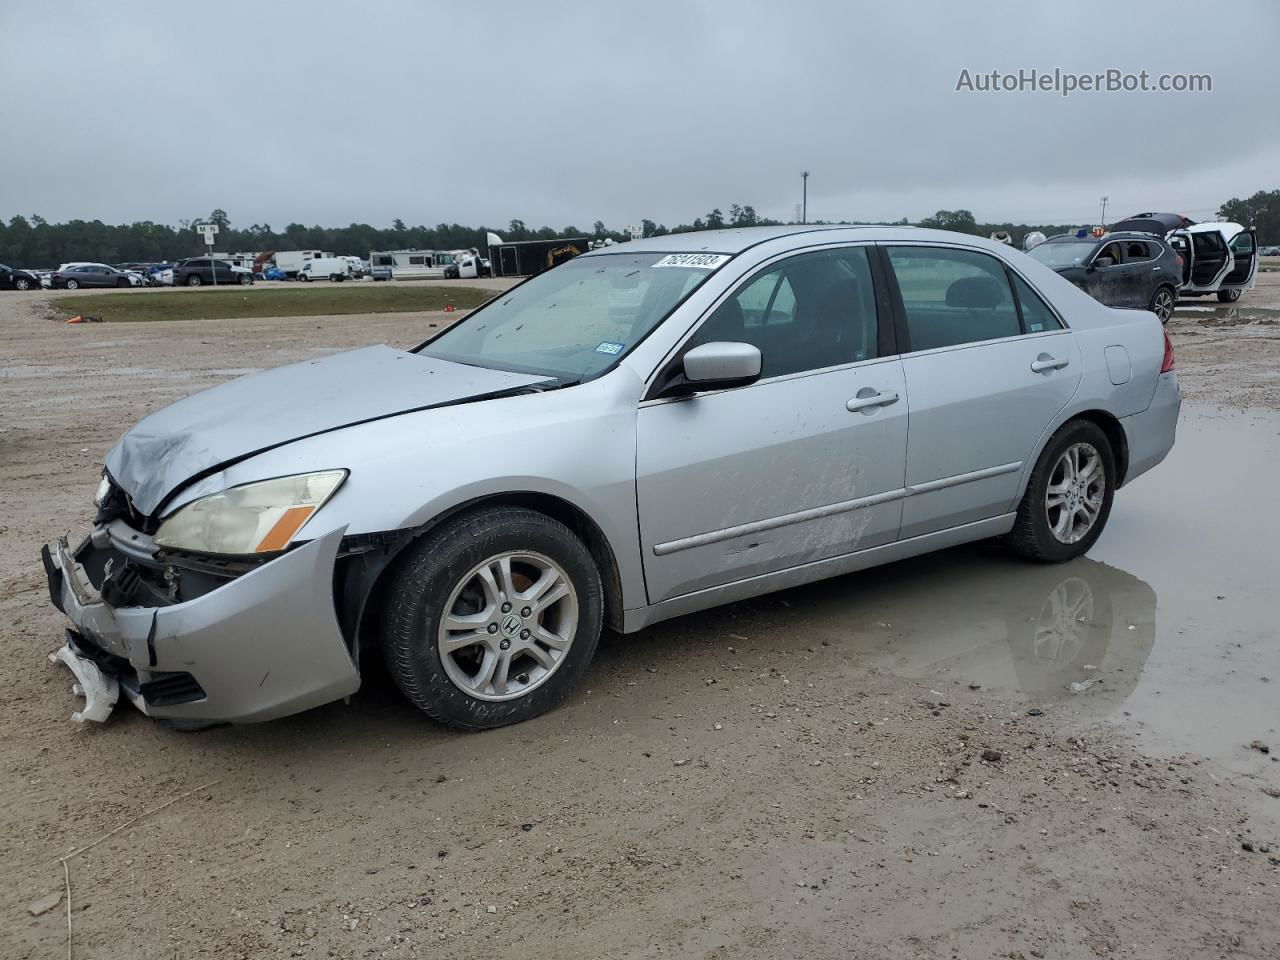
x=803 y=465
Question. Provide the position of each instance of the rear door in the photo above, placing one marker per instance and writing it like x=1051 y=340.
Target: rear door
x=1143 y=272
x=1210 y=259
x=804 y=464
x=988 y=366
x=1244 y=260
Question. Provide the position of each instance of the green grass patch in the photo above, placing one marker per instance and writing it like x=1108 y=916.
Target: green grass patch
x=291 y=301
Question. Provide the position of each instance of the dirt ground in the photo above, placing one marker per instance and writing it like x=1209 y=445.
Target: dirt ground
x=887 y=765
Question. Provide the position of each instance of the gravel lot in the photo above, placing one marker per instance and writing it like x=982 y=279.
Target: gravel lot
x=887 y=765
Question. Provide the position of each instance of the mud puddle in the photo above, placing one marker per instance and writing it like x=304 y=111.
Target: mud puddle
x=1167 y=628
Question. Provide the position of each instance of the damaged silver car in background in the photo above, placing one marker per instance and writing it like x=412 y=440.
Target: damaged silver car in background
x=641 y=432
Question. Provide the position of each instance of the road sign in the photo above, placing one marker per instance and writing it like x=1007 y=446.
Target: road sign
x=208 y=231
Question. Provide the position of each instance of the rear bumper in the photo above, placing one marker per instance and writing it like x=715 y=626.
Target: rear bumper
x=264 y=645
x=1150 y=434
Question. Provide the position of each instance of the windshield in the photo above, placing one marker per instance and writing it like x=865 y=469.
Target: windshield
x=576 y=320
x=1069 y=253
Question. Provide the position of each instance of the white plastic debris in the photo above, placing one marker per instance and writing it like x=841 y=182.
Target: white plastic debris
x=100 y=692
x=1083 y=685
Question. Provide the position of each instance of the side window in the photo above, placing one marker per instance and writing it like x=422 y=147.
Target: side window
x=807 y=312
x=1242 y=243
x=953 y=296
x=1136 y=250
x=418 y=261
x=1036 y=315
x=1113 y=250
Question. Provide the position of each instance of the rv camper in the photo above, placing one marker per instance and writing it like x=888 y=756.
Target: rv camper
x=410 y=264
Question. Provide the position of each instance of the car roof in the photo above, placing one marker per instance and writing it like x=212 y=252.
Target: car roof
x=1224 y=227
x=735 y=240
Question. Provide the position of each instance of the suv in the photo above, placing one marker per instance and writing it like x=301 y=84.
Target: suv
x=197 y=271
x=1136 y=270
x=1219 y=257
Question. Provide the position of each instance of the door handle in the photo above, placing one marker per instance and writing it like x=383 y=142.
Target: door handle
x=1044 y=363
x=865 y=400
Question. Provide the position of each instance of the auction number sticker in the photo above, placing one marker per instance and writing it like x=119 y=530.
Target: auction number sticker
x=702 y=261
x=610 y=347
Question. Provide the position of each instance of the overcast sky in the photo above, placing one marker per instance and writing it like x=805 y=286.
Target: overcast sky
x=562 y=113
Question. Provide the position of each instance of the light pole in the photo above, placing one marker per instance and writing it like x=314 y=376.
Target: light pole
x=1103 y=222
x=804 y=196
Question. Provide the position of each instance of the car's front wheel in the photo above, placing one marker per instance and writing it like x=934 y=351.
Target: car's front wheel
x=194 y=280
x=245 y=279
x=73 y=284
x=22 y=283
x=1162 y=303
x=1068 y=497
x=492 y=617
x=1228 y=296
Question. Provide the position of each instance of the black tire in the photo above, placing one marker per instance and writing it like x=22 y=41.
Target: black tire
x=304 y=278
x=1031 y=536
x=123 y=283
x=73 y=284
x=193 y=280
x=22 y=283
x=1228 y=296
x=245 y=279
x=1163 y=302
x=425 y=577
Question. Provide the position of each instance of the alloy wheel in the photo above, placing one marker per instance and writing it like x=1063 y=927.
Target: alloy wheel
x=1077 y=489
x=507 y=625
x=1162 y=306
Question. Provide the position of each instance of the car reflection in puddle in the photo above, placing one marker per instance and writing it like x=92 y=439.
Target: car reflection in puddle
x=974 y=615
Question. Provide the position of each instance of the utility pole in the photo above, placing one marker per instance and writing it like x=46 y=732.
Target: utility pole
x=1103 y=222
x=804 y=202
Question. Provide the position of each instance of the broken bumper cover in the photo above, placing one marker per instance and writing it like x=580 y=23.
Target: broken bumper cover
x=264 y=645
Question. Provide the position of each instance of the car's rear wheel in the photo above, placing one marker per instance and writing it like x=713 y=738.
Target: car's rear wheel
x=1228 y=296
x=492 y=617
x=1162 y=303
x=1068 y=497
x=194 y=280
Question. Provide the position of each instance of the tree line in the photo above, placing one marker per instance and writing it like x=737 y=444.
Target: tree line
x=34 y=242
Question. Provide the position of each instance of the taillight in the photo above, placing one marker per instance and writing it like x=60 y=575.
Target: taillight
x=1167 y=365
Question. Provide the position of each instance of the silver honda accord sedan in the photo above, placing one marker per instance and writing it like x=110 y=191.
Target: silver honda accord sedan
x=643 y=431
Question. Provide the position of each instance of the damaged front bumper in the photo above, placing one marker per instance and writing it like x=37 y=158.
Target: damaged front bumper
x=262 y=645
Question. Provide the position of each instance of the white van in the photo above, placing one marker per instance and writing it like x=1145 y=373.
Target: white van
x=336 y=269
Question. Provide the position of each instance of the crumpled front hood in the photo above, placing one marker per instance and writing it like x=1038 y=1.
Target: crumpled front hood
x=216 y=427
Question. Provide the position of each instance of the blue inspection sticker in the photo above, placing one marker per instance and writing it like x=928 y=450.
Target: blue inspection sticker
x=610 y=348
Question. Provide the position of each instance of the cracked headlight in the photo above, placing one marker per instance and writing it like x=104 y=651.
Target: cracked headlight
x=104 y=488
x=255 y=518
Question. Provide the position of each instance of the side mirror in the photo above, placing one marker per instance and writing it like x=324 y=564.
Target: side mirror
x=718 y=366
x=1104 y=262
